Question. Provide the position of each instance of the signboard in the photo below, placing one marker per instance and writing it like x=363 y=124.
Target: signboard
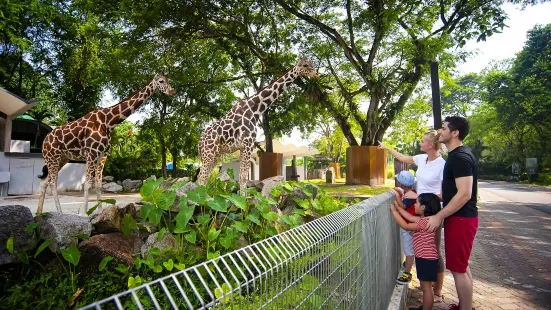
x=531 y=165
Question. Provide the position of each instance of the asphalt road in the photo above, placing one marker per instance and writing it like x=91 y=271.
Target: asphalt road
x=536 y=197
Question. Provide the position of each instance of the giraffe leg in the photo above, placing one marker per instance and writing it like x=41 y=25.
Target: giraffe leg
x=99 y=177
x=53 y=172
x=245 y=165
x=43 y=187
x=91 y=164
x=208 y=164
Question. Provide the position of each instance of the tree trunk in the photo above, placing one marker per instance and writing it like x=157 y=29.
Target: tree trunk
x=162 y=139
x=174 y=162
x=267 y=134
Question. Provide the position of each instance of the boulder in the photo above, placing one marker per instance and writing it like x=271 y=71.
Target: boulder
x=108 y=179
x=132 y=185
x=63 y=228
x=269 y=183
x=13 y=221
x=167 y=242
x=112 y=187
x=106 y=220
x=116 y=245
x=252 y=183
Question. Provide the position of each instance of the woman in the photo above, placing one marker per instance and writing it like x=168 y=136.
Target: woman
x=429 y=180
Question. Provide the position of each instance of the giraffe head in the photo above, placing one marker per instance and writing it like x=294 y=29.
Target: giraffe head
x=160 y=83
x=305 y=68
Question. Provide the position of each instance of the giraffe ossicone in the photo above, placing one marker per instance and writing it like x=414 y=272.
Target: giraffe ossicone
x=89 y=138
x=236 y=131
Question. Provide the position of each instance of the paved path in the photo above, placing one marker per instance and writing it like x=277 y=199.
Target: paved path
x=511 y=259
x=70 y=202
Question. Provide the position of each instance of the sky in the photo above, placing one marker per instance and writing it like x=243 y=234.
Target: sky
x=497 y=47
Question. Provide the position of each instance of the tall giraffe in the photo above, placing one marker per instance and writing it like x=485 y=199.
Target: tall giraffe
x=89 y=138
x=237 y=129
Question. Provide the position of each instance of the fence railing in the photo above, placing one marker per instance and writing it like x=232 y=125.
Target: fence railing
x=346 y=260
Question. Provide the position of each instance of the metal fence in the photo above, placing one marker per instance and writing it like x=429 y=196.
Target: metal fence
x=346 y=260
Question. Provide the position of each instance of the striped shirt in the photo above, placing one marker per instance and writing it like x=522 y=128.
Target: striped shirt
x=424 y=242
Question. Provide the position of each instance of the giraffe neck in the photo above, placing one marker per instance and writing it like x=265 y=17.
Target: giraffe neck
x=118 y=113
x=262 y=100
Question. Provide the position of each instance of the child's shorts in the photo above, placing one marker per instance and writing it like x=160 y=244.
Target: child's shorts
x=426 y=269
x=407 y=242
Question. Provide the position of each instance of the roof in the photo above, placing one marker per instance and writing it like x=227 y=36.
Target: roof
x=288 y=150
x=13 y=105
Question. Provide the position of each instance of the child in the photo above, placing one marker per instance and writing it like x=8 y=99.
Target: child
x=405 y=183
x=424 y=243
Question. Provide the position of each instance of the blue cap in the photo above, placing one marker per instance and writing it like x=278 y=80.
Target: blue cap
x=405 y=178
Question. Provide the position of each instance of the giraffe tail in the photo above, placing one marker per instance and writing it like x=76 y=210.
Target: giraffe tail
x=44 y=172
x=196 y=176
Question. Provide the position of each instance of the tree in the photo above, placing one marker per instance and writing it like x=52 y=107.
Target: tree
x=39 y=114
x=461 y=96
x=377 y=52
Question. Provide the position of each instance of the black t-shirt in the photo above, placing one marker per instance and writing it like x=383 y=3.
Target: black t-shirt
x=461 y=163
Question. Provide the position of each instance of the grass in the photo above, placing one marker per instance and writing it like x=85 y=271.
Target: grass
x=341 y=189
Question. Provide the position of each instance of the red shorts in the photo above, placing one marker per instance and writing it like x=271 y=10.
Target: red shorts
x=459 y=233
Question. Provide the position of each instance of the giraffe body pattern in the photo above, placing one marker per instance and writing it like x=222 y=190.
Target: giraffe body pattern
x=237 y=129
x=89 y=138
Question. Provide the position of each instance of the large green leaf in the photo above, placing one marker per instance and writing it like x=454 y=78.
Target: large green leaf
x=254 y=216
x=191 y=237
x=149 y=187
x=241 y=226
x=198 y=195
x=218 y=204
x=71 y=254
x=239 y=201
x=128 y=224
x=145 y=211
x=203 y=219
x=165 y=200
x=184 y=216
x=169 y=264
x=155 y=216
x=213 y=234
x=270 y=216
x=303 y=203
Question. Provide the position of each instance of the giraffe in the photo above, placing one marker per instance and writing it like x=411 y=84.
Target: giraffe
x=89 y=138
x=237 y=129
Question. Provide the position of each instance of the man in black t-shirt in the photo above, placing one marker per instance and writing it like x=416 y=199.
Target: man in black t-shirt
x=460 y=214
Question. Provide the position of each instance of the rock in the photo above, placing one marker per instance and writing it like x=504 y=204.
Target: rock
x=116 y=245
x=63 y=228
x=252 y=183
x=112 y=187
x=119 y=183
x=152 y=177
x=13 y=221
x=106 y=220
x=132 y=185
x=167 y=242
x=108 y=179
x=270 y=183
x=224 y=177
x=184 y=179
x=182 y=190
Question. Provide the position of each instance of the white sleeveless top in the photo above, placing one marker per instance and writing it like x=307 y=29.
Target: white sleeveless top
x=429 y=174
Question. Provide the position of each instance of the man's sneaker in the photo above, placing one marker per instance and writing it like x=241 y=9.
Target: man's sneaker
x=404 y=279
x=416 y=308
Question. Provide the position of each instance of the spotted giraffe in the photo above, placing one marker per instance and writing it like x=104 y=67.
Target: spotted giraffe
x=237 y=129
x=89 y=138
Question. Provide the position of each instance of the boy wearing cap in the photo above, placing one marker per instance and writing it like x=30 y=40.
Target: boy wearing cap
x=405 y=184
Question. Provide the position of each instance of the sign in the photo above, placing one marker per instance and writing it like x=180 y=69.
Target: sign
x=531 y=165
